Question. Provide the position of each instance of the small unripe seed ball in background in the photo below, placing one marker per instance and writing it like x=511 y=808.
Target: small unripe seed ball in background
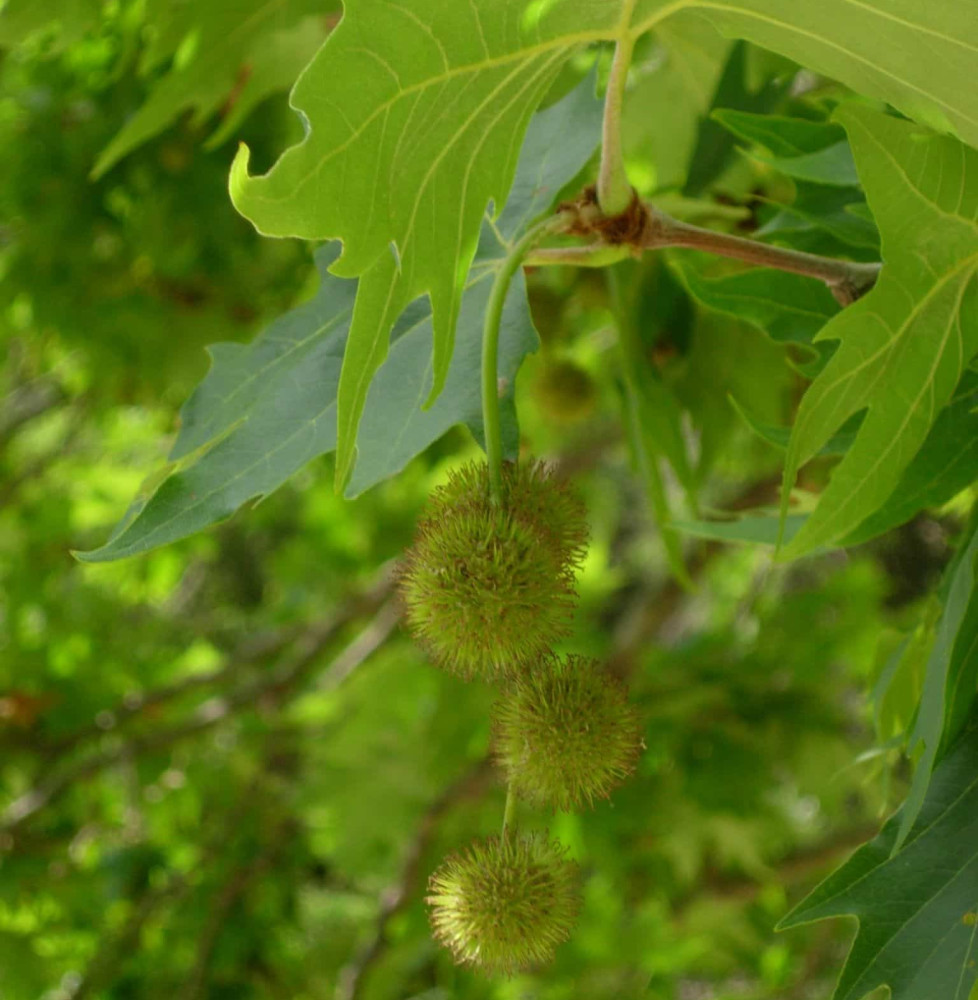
x=505 y=903
x=564 y=733
x=564 y=391
x=489 y=586
x=547 y=311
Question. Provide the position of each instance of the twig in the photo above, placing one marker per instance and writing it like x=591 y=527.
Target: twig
x=797 y=867
x=240 y=880
x=351 y=978
x=364 y=646
x=847 y=280
x=280 y=683
x=26 y=403
x=647 y=228
x=135 y=704
x=116 y=948
x=32 y=470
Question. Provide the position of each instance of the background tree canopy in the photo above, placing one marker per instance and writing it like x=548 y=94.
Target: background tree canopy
x=226 y=769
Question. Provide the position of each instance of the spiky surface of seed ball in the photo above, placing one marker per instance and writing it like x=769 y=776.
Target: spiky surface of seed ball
x=487 y=586
x=505 y=903
x=565 y=734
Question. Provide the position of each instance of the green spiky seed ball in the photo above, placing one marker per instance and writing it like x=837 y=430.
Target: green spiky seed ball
x=565 y=734
x=488 y=587
x=504 y=904
x=565 y=391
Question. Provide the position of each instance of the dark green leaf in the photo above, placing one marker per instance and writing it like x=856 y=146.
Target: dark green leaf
x=714 y=144
x=787 y=307
x=963 y=672
x=838 y=444
x=839 y=212
x=750 y=529
x=780 y=135
x=817 y=156
x=896 y=693
x=810 y=151
x=946 y=464
x=915 y=903
x=833 y=165
x=946 y=695
x=267 y=408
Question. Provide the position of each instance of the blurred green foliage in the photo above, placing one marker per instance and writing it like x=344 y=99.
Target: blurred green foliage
x=225 y=771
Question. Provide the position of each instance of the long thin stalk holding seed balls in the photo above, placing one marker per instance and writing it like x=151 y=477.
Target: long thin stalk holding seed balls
x=490 y=346
x=509 y=811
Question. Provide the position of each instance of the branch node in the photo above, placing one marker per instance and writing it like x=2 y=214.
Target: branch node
x=587 y=219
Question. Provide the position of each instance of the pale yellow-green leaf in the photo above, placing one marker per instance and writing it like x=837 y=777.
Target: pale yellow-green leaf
x=905 y=344
x=416 y=109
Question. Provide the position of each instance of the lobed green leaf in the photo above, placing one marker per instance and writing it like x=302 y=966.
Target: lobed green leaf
x=266 y=409
x=416 y=110
x=949 y=682
x=904 y=345
x=915 y=902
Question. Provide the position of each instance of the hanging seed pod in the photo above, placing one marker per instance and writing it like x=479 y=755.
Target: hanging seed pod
x=505 y=903
x=564 y=733
x=489 y=586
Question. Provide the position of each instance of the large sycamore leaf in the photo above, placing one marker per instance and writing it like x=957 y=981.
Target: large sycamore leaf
x=906 y=343
x=267 y=408
x=416 y=109
x=949 y=680
x=257 y=46
x=272 y=67
x=918 y=927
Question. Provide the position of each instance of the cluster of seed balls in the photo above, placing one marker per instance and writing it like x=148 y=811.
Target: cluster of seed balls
x=488 y=588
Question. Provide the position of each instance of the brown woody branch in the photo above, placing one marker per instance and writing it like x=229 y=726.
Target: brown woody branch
x=116 y=948
x=797 y=868
x=642 y=227
x=28 y=402
x=276 y=685
x=136 y=704
x=351 y=979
